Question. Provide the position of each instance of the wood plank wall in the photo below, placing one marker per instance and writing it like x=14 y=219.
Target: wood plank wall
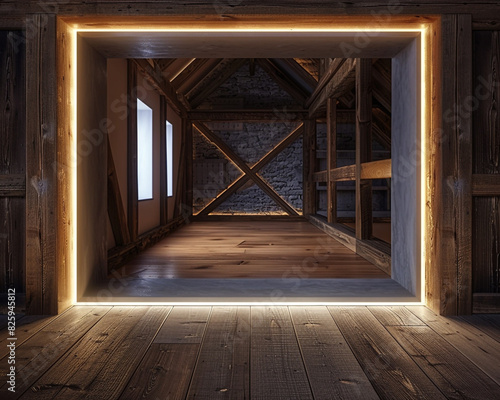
x=12 y=160
x=486 y=161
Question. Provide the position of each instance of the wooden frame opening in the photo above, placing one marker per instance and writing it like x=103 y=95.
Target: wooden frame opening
x=405 y=39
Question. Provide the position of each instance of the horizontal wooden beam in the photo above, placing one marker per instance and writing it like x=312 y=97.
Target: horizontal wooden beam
x=118 y=255
x=376 y=169
x=13 y=185
x=248 y=115
x=375 y=251
x=486 y=184
x=340 y=83
x=371 y=170
x=484 y=303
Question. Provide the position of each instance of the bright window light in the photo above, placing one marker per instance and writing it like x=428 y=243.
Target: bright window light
x=170 y=160
x=144 y=151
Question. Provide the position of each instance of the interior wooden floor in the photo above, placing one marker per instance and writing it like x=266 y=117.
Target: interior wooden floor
x=268 y=249
x=223 y=352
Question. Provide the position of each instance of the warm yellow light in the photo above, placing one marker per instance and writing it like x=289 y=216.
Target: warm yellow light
x=252 y=303
x=74 y=158
x=249 y=27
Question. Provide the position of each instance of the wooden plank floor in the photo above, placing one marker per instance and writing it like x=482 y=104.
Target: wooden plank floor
x=248 y=250
x=257 y=352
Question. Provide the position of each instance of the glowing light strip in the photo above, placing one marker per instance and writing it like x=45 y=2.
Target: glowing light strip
x=255 y=303
x=351 y=29
x=74 y=158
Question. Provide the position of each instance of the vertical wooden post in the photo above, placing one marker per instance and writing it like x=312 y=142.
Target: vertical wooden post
x=41 y=166
x=132 y=193
x=454 y=265
x=309 y=167
x=331 y=156
x=363 y=146
x=188 y=201
x=163 y=162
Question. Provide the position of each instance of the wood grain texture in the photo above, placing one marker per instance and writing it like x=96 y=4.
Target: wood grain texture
x=277 y=370
x=84 y=361
x=184 y=325
x=448 y=369
x=488 y=323
x=42 y=350
x=478 y=347
x=115 y=374
x=395 y=316
x=485 y=303
x=333 y=371
x=249 y=249
x=456 y=167
x=41 y=154
x=486 y=209
x=388 y=367
x=223 y=366
x=338 y=85
x=12 y=185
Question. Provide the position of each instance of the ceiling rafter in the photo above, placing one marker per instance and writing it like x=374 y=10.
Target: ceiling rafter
x=280 y=77
x=216 y=77
x=249 y=173
x=194 y=74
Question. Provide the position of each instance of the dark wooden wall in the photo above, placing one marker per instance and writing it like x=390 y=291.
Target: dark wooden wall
x=12 y=161
x=486 y=161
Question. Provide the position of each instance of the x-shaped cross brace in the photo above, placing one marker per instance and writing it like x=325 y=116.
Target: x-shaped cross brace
x=248 y=172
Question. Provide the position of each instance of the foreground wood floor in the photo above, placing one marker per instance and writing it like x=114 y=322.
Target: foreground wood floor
x=248 y=250
x=224 y=352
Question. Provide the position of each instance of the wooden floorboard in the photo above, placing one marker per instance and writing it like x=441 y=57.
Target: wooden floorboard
x=256 y=352
x=248 y=249
x=276 y=367
x=332 y=369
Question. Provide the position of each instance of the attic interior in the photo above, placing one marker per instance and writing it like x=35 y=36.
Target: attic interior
x=235 y=172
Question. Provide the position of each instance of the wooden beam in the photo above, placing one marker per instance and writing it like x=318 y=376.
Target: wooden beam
x=375 y=251
x=342 y=174
x=486 y=303
x=282 y=80
x=325 y=78
x=163 y=162
x=337 y=86
x=193 y=75
x=179 y=194
x=250 y=172
x=224 y=70
x=188 y=135
x=381 y=127
x=309 y=166
x=116 y=211
x=41 y=157
x=363 y=147
x=132 y=184
x=297 y=69
x=381 y=75
x=13 y=185
x=176 y=100
x=118 y=255
x=331 y=158
x=486 y=185
x=376 y=169
x=248 y=115
x=371 y=170
x=456 y=168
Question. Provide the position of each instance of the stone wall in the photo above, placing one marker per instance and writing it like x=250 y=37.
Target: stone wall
x=251 y=141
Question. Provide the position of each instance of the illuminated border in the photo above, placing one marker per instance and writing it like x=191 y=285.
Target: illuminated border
x=77 y=25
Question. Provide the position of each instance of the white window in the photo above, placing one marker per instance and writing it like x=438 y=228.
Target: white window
x=170 y=159
x=144 y=151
